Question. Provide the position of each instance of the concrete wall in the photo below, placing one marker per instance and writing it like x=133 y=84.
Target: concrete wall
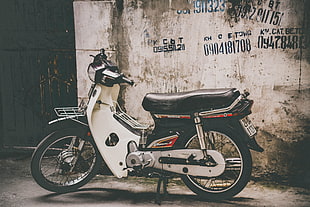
x=179 y=45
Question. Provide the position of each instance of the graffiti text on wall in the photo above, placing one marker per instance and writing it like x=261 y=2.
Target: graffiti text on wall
x=271 y=15
x=205 y=6
x=170 y=45
x=237 y=42
x=281 y=38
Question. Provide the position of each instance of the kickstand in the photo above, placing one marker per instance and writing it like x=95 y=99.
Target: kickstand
x=163 y=180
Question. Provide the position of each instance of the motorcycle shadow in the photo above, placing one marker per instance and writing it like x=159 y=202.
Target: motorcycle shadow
x=117 y=196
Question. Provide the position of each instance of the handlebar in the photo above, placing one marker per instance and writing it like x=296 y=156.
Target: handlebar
x=116 y=77
x=108 y=73
x=126 y=80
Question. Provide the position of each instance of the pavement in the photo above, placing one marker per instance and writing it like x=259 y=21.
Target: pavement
x=17 y=188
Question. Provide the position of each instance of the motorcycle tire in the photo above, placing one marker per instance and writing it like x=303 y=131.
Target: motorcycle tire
x=238 y=166
x=65 y=160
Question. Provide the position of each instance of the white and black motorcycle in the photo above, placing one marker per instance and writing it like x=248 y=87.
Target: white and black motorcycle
x=202 y=136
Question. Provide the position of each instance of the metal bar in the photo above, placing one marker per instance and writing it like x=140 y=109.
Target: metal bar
x=130 y=121
x=201 y=134
x=222 y=110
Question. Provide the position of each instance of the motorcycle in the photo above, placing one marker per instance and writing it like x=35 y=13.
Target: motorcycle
x=202 y=136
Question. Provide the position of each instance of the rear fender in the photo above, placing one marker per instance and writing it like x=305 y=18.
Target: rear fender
x=234 y=125
x=68 y=123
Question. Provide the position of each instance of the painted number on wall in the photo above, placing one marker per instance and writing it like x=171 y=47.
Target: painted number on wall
x=281 y=38
x=268 y=15
x=170 y=45
x=229 y=47
x=205 y=6
x=237 y=42
x=260 y=15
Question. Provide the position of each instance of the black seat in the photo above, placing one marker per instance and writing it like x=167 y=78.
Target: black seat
x=191 y=101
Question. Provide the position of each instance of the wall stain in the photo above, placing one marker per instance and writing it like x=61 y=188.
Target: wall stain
x=119 y=6
x=284 y=161
x=238 y=9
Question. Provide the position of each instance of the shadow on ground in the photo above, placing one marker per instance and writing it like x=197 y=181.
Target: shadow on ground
x=97 y=195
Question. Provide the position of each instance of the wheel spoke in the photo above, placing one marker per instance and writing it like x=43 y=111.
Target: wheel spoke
x=227 y=147
x=64 y=167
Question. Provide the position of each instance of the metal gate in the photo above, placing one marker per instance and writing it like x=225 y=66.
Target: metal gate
x=37 y=67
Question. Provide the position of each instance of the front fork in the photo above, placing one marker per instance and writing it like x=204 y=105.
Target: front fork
x=78 y=149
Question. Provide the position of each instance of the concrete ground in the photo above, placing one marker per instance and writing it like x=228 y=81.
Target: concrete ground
x=17 y=188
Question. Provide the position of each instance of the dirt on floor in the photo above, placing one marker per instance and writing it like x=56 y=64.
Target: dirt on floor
x=19 y=189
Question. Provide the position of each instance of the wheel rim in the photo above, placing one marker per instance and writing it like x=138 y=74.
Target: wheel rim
x=234 y=163
x=63 y=164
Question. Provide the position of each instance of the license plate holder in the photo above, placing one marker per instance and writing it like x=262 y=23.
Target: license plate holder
x=248 y=126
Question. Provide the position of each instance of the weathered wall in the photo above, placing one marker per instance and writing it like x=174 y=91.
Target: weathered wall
x=93 y=31
x=179 y=45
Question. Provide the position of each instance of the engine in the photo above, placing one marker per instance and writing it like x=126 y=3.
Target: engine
x=181 y=161
x=140 y=159
x=137 y=158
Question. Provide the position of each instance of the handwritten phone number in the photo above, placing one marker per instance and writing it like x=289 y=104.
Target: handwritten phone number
x=259 y=14
x=203 y=6
x=169 y=48
x=281 y=42
x=229 y=47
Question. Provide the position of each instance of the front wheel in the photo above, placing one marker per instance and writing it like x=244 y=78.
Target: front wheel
x=237 y=170
x=65 y=160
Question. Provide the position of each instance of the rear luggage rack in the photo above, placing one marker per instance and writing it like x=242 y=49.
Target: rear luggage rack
x=69 y=111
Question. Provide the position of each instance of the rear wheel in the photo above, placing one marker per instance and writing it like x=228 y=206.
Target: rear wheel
x=237 y=170
x=65 y=160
